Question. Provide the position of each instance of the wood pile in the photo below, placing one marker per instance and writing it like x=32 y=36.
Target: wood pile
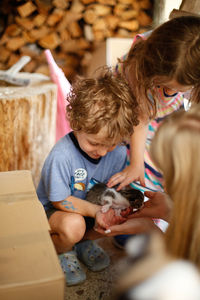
x=71 y=29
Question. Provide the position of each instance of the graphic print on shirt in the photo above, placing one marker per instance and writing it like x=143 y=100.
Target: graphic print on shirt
x=92 y=182
x=76 y=180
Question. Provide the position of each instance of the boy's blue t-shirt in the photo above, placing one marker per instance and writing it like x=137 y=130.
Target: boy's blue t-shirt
x=70 y=171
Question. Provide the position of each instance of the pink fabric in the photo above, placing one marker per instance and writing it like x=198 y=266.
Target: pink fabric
x=58 y=77
x=136 y=37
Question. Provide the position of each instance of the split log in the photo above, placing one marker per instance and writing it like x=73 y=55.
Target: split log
x=75 y=30
x=12 y=59
x=112 y=21
x=63 y=4
x=129 y=14
x=143 y=19
x=101 y=10
x=77 y=7
x=55 y=17
x=89 y=16
x=51 y=41
x=39 y=33
x=13 y=30
x=39 y=20
x=26 y=9
x=132 y=25
x=28 y=122
x=15 y=43
x=5 y=53
x=25 y=23
x=107 y=2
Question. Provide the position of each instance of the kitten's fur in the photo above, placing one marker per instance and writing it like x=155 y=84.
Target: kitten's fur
x=110 y=198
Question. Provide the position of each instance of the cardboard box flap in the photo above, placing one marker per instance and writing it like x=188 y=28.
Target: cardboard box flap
x=18 y=195
x=17 y=182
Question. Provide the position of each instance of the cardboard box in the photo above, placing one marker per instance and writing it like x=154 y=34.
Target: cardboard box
x=108 y=52
x=29 y=266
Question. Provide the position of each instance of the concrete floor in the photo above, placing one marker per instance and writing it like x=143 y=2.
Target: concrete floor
x=98 y=285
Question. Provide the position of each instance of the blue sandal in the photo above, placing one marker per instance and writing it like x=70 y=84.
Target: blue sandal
x=93 y=256
x=74 y=274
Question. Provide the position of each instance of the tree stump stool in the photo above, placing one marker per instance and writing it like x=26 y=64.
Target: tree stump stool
x=27 y=126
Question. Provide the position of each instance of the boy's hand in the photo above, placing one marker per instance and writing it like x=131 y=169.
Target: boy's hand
x=158 y=207
x=128 y=175
x=105 y=220
x=126 y=212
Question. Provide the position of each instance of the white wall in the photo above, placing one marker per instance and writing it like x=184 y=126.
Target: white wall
x=163 y=9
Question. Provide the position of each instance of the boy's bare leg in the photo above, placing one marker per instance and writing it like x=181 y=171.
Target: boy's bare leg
x=67 y=229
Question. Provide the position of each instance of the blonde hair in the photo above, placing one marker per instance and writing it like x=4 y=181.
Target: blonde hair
x=175 y=150
x=172 y=51
x=104 y=101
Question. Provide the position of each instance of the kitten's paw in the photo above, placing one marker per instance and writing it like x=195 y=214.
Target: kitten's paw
x=105 y=208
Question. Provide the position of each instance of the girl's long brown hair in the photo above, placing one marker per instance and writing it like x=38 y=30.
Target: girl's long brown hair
x=172 y=51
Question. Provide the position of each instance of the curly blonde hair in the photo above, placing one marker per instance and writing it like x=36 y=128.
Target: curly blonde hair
x=104 y=101
x=175 y=150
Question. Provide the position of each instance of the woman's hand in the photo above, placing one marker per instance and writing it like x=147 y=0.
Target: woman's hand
x=131 y=226
x=158 y=206
x=128 y=175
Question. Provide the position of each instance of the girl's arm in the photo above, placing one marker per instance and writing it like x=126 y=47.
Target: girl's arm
x=76 y=205
x=137 y=148
x=135 y=171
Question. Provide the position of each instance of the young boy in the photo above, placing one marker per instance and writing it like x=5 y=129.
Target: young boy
x=102 y=114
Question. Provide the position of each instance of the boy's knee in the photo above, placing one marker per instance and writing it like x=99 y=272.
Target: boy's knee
x=73 y=227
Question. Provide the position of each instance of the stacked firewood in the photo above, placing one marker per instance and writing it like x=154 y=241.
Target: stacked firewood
x=71 y=29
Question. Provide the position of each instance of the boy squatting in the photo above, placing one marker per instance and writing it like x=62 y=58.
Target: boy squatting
x=102 y=114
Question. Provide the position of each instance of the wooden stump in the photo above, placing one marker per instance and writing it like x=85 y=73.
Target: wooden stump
x=27 y=126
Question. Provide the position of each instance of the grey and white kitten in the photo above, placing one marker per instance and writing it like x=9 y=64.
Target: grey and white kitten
x=110 y=198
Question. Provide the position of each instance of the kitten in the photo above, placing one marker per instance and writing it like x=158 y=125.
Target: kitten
x=110 y=198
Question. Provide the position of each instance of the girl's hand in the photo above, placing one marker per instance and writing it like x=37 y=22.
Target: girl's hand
x=128 y=175
x=158 y=207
